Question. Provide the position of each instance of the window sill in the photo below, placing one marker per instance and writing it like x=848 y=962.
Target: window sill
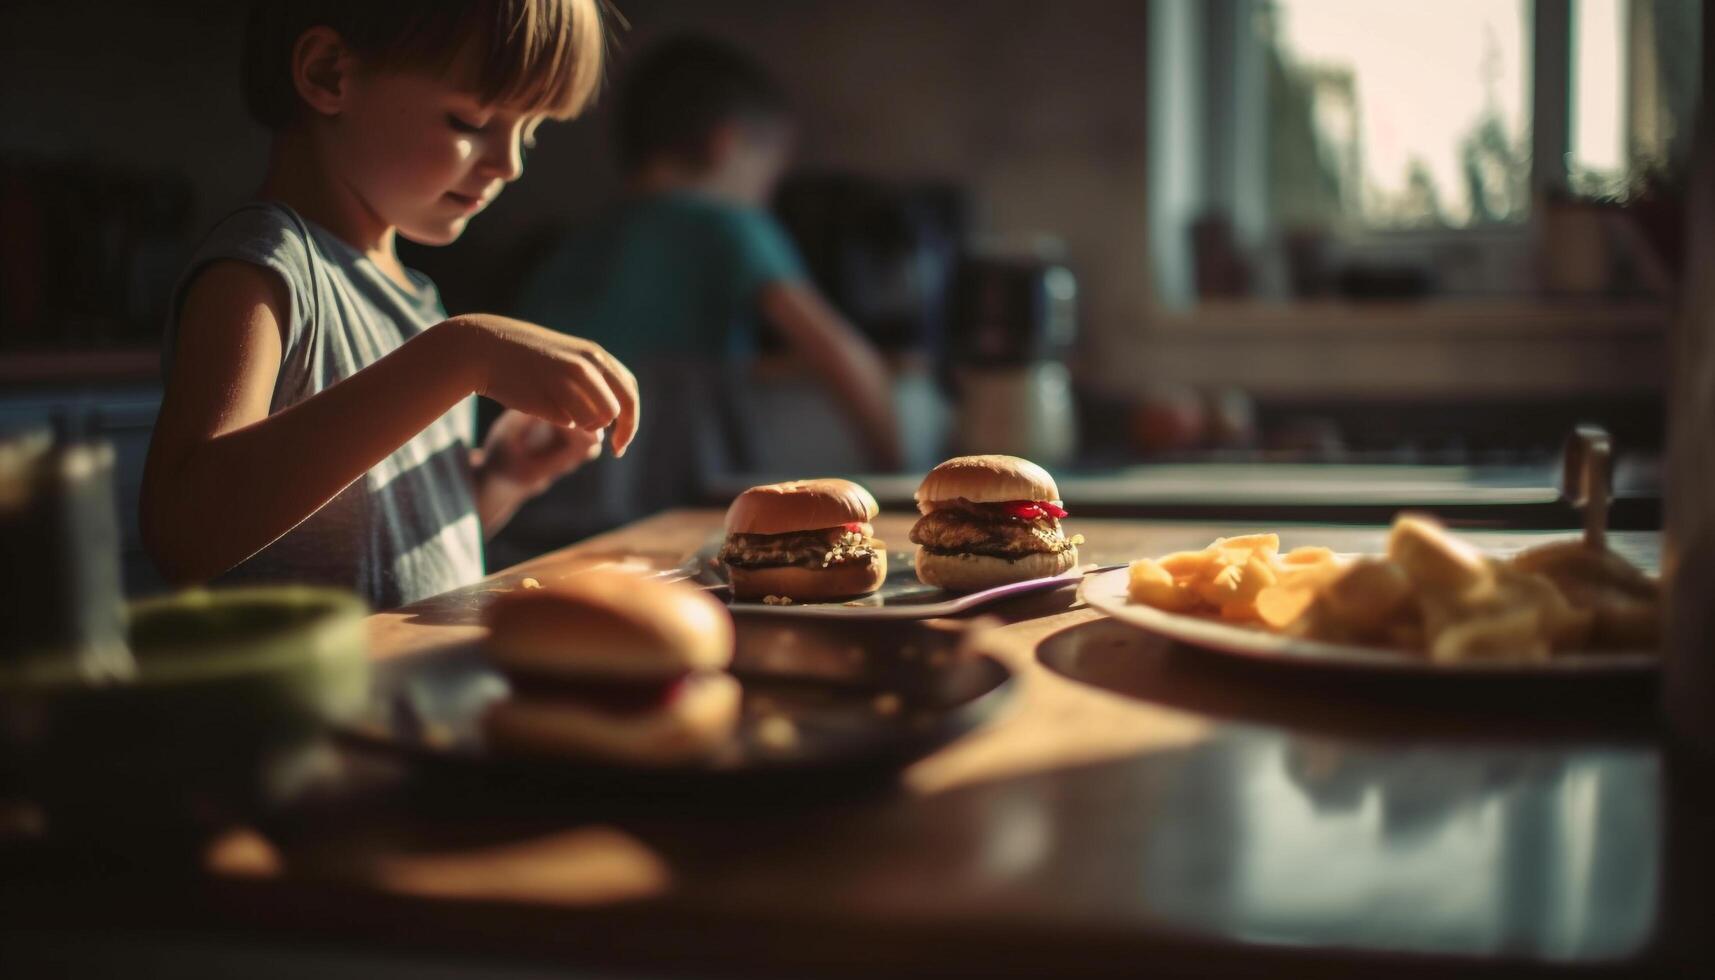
x=1498 y=318
x=1423 y=351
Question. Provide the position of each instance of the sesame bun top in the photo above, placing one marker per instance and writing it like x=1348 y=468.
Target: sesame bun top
x=986 y=479
x=800 y=505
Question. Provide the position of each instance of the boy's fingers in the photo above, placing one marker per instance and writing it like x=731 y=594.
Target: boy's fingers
x=586 y=406
x=624 y=386
x=576 y=441
x=575 y=446
x=541 y=435
x=597 y=386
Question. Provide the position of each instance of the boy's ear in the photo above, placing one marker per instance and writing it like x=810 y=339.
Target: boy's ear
x=321 y=69
x=722 y=141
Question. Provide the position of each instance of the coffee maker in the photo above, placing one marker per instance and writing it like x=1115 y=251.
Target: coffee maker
x=1013 y=322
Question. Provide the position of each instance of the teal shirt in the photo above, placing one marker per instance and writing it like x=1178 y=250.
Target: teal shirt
x=671 y=276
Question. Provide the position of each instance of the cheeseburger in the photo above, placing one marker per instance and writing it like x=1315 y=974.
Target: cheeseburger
x=612 y=667
x=987 y=521
x=806 y=540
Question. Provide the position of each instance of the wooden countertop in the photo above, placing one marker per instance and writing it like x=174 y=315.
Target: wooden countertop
x=1141 y=807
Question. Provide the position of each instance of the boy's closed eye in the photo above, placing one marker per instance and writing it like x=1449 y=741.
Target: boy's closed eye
x=463 y=125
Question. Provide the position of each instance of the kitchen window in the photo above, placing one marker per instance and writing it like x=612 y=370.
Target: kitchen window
x=1420 y=142
x=1396 y=115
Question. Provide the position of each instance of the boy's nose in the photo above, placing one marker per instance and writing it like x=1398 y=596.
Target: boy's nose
x=504 y=159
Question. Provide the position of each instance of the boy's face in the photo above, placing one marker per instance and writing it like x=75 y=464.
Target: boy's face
x=424 y=154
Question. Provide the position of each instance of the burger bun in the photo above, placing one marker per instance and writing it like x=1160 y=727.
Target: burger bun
x=612 y=625
x=974 y=573
x=985 y=479
x=800 y=505
x=839 y=581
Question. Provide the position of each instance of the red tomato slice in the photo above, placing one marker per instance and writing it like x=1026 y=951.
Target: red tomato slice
x=1030 y=510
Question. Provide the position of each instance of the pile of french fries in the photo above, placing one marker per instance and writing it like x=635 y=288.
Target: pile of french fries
x=1431 y=593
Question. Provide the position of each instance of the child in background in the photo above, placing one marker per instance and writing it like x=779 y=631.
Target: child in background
x=690 y=264
x=317 y=424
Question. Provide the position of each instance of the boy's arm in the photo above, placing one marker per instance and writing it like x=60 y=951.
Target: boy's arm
x=843 y=358
x=224 y=478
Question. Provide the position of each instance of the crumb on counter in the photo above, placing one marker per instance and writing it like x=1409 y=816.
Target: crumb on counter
x=529 y=583
x=776 y=600
x=777 y=732
x=887 y=703
x=437 y=736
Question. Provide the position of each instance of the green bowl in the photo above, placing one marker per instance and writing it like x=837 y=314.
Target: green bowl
x=229 y=684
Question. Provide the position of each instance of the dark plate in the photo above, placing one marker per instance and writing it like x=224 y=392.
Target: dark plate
x=858 y=701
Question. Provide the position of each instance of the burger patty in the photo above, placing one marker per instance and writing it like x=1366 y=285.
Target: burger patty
x=804 y=549
x=965 y=532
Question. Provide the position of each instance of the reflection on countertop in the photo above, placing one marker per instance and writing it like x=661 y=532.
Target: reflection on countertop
x=1479 y=833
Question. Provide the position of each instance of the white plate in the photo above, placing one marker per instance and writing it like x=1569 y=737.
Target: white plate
x=1107 y=592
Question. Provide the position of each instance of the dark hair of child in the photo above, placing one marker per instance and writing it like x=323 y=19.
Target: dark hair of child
x=681 y=89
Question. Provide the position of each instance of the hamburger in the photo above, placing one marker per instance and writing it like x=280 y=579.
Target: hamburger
x=807 y=540
x=988 y=521
x=612 y=667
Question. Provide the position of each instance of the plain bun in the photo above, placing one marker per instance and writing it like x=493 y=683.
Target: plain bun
x=800 y=505
x=800 y=584
x=974 y=573
x=609 y=624
x=696 y=723
x=986 y=479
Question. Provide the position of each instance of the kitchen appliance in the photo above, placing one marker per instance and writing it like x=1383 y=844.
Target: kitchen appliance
x=63 y=607
x=1014 y=320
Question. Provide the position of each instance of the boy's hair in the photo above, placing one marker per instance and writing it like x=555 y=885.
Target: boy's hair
x=543 y=54
x=681 y=90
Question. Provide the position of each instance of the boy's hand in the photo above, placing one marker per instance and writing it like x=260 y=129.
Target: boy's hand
x=568 y=381
x=530 y=454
